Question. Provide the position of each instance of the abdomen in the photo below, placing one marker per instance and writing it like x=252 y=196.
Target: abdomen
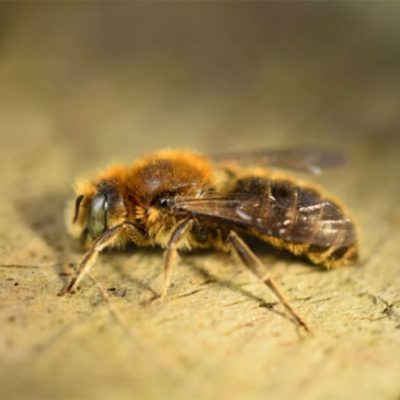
x=301 y=220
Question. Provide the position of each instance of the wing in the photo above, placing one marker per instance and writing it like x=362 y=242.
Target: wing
x=312 y=160
x=311 y=220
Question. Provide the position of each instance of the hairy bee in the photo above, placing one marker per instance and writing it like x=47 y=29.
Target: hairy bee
x=183 y=200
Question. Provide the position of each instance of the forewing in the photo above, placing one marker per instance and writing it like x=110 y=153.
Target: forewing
x=318 y=222
x=309 y=160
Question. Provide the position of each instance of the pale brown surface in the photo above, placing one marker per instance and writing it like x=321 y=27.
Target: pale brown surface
x=82 y=85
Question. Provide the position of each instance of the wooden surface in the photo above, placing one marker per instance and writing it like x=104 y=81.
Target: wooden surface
x=82 y=86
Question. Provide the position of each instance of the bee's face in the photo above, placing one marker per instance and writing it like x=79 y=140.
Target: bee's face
x=96 y=213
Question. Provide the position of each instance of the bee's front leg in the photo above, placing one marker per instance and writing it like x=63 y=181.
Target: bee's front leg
x=103 y=241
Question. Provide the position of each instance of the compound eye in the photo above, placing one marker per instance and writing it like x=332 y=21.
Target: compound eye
x=97 y=221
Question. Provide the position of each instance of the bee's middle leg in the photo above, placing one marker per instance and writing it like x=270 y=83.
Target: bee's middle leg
x=172 y=249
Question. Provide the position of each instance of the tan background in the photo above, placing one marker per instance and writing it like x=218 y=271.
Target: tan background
x=83 y=84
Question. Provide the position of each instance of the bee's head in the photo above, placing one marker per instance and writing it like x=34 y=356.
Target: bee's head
x=96 y=211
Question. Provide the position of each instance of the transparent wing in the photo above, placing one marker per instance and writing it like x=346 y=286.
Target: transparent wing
x=311 y=220
x=310 y=160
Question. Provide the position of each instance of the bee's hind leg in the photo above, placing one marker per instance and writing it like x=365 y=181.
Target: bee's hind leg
x=172 y=249
x=251 y=261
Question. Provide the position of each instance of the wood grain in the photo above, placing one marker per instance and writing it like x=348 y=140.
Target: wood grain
x=84 y=86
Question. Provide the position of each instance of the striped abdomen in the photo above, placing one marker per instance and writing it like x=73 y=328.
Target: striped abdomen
x=300 y=220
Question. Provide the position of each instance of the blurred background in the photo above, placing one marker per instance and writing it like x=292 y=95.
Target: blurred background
x=83 y=84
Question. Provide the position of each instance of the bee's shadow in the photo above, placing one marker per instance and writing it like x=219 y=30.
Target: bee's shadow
x=45 y=216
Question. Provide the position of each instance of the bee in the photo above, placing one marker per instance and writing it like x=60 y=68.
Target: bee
x=182 y=200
